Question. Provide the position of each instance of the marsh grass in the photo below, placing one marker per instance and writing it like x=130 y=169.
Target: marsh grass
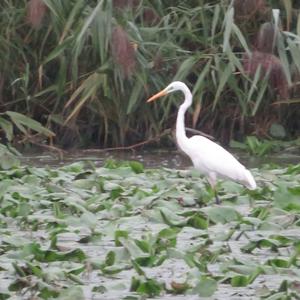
x=85 y=68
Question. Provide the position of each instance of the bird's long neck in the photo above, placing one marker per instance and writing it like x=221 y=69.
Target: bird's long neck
x=180 y=127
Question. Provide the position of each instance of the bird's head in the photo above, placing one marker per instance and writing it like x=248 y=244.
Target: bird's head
x=172 y=87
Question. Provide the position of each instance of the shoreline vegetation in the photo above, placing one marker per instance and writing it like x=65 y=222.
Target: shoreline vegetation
x=77 y=73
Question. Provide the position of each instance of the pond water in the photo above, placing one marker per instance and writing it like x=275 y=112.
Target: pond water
x=151 y=159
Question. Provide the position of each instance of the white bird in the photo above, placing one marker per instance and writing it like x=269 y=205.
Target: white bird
x=209 y=158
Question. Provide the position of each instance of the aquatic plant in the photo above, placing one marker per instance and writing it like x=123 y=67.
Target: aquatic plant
x=125 y=232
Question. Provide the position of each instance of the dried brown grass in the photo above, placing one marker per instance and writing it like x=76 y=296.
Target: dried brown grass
x=36 y=10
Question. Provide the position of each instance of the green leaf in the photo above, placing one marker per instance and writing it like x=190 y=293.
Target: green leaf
x=228 y=22
x=134 y=97
x=170 y=218
x=224 y=76
x=286 y=199
x=4 y=296
x=110 y=258
x=239 y=281
x=222 y=214
x=260 y=96
x=149 y=287
x=21 y=120
x=76 y=255
x=198 y=221
x=120 y=234
x=8 y=160
x=136 y=266
x=136 y=167
x=7 y=128
x=132 y=248
x=277 y=262
x=167 y=238
x=58 y=50
x=206 y=287
x=144 y=245
x=241 y=38
x=185 y=68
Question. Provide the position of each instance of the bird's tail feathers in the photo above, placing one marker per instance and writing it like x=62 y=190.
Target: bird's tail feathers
x=250 y=182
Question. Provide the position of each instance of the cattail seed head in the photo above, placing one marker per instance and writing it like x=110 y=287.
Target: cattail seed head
x=123 y=51
x=266 y=38
x=246 y=9
x=271 y=65
x=36 y=10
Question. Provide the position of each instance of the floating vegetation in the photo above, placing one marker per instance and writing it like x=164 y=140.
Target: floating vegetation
x=125 y=232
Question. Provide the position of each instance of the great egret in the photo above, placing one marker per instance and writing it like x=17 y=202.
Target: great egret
x=208 y=157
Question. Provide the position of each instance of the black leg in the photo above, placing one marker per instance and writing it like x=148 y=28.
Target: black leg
x=218 y=201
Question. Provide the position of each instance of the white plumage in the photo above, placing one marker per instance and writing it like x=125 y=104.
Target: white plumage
x=214 y=161
x=208 y=157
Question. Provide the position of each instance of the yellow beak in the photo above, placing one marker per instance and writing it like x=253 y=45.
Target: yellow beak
x=158 y=95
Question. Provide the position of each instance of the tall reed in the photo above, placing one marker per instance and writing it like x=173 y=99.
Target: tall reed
x=84 y=68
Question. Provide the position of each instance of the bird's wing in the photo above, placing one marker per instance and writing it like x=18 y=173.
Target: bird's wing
x=210 y=157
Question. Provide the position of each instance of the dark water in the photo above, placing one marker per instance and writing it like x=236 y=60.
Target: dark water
x=150 y=159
